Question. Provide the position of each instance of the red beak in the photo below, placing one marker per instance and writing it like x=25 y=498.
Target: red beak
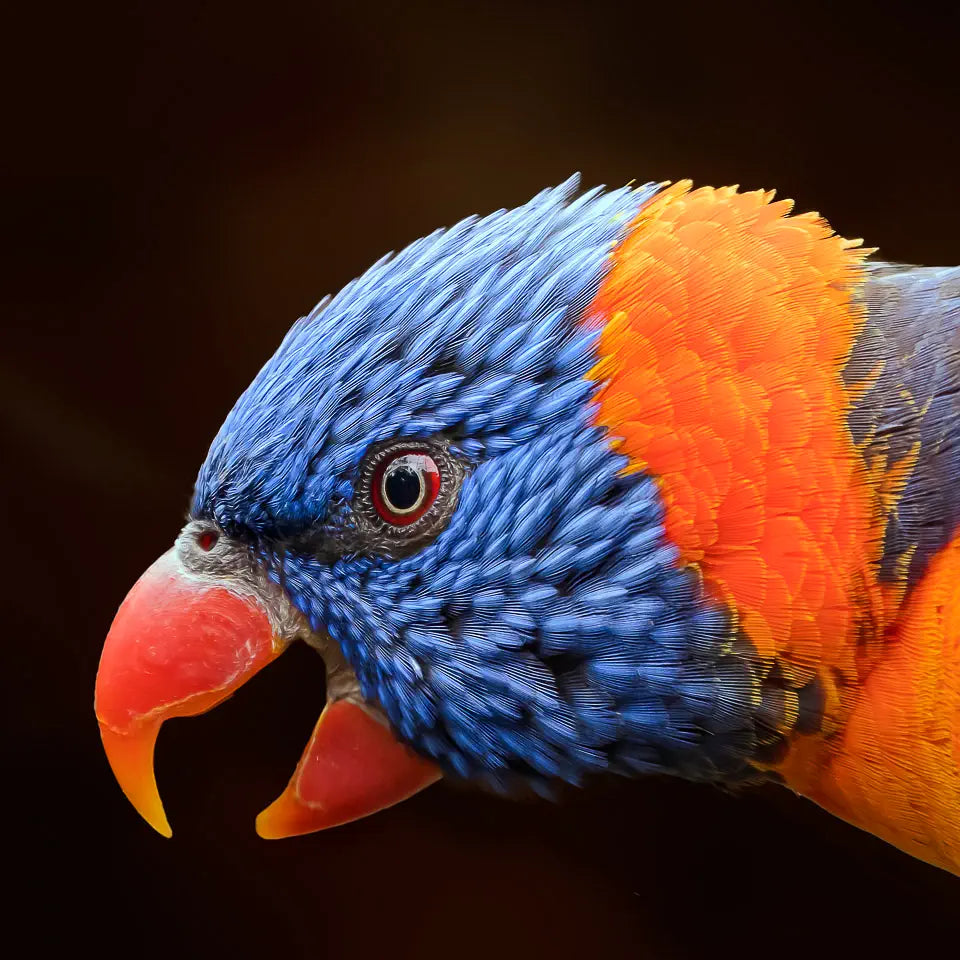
x=353 y=766
x=178 y=646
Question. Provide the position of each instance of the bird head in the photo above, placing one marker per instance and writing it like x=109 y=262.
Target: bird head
x=416 y=485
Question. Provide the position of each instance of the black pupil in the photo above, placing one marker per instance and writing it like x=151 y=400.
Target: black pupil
x=402 y=487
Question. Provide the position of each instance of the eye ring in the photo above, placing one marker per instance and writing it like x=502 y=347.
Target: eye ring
x=405 y=486
x=394 y=517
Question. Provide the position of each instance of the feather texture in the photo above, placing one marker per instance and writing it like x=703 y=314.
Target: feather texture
x=800 y=410
x=706 y=509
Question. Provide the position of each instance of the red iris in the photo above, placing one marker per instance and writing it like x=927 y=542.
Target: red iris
x=405 y=487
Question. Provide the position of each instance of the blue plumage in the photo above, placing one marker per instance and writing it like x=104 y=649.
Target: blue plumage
x=453 y=334
x=552 y=653
x=547 y=631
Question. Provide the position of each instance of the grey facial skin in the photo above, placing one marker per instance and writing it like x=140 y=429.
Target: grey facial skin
x=231 y=565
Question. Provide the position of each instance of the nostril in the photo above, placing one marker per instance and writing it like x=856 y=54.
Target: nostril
x=207 y=539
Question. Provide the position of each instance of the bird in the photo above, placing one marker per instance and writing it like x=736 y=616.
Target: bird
x=654 y=480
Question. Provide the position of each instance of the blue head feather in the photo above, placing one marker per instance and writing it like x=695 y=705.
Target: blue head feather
x=548 y=631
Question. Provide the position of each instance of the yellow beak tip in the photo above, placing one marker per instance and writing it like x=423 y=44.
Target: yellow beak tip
x=131 y=758
x=162 y=828
x=279 y=820
x=151 y=809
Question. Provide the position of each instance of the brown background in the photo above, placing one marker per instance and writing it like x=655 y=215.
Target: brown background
x=183 y=185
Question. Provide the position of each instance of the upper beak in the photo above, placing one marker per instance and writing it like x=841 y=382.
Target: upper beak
x=179 y=645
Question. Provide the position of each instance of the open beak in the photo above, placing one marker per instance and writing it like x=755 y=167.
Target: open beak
x=182 y=643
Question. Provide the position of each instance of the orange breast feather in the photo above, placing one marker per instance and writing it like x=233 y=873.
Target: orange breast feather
x=896 y=771
x=727 y=325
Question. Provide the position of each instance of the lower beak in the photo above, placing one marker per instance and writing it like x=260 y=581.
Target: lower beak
x=352 y=767
x=181 y=644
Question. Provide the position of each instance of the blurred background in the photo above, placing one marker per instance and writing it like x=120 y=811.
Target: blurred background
x=182 y=184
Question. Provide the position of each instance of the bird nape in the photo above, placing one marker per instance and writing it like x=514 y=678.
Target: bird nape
x=649 y=480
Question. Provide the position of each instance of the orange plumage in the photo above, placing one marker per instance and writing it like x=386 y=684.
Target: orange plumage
x=730 y=331
x=895 y=768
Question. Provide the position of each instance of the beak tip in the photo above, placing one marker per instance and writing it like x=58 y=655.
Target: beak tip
x=161 y=825
x=131 y=758
x=148 y=804
x=263 y=830
x=285 y=817
x=262 y=826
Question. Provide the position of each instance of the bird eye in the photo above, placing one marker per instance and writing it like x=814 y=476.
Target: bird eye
x=405 y=493
x=405 y=486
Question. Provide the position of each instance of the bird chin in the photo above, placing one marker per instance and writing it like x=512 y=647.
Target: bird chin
x=190 y=633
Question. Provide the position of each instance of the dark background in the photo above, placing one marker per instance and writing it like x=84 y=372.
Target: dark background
x=182 y=186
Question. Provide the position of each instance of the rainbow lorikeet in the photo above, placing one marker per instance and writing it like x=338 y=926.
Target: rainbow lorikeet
x=650 y=480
